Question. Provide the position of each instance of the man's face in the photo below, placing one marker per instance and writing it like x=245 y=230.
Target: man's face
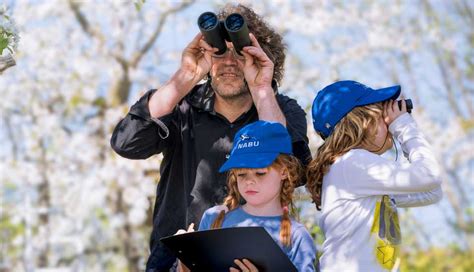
x=227 y=74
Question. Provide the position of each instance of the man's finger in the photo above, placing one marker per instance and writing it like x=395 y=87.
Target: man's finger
x=196 y=39
x=206 y=46
x=254 y=40
x=248 y=59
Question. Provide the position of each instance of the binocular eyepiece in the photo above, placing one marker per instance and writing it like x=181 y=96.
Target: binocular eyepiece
x=233 y=29
x=409 y=104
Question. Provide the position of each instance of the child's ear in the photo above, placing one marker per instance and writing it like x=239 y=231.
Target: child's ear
x=284 y=173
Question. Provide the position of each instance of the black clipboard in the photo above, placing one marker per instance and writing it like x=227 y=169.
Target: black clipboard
x=215 y=250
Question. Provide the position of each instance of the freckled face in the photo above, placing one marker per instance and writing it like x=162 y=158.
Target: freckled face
x=260 y=187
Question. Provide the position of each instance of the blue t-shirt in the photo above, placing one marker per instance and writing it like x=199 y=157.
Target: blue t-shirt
x=301 y=252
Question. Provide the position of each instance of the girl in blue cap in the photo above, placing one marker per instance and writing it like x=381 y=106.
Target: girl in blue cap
x=356 y=189
x=262 y=175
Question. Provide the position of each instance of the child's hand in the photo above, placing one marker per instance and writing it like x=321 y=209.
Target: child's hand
x=391 y=111
x=244 y=265
x=190 y=229
x=181 y=267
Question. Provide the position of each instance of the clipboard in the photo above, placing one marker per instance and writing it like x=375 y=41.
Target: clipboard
x=215 y=250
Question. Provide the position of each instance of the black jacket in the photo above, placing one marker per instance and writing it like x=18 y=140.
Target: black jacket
x=195 y=141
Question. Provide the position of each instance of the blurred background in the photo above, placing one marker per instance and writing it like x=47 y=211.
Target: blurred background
x=69 y=70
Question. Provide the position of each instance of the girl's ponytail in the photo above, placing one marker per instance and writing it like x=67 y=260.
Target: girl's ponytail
x=294 y=173
x=285 y=228
x=217 y=224
x=232 y=201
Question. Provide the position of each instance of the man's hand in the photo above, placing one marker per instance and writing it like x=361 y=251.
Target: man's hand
x=196 y=58
x=258 y=67
x=258 y=72
x=195 y=64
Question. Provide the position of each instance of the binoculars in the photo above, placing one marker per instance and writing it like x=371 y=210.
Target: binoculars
x=233 y=29
x=409 y=104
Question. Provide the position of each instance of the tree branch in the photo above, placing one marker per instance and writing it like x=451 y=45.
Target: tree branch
x=6 y=62
x=84 y=23
x=140 y=53
x=465 y=11
x=440 y=61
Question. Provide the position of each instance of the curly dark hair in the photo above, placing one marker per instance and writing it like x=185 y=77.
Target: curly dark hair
x=270 y=41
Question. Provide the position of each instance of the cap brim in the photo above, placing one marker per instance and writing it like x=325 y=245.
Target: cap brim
x=248 y=160
x=380 y=95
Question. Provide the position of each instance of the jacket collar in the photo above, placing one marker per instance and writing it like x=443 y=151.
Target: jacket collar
x=202 y=97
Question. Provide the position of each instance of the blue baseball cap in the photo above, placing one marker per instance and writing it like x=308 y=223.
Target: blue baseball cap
x=257 y=145
x=336 y=100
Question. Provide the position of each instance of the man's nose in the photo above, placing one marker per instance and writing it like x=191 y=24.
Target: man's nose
x=229 y=55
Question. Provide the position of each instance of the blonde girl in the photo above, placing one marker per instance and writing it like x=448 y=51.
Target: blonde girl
x=356 y=189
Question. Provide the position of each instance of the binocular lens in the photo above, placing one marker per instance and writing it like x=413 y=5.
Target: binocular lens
x=210 y=27
x=234 y=22
x=207 y=21
x=234 y=29
x=238 y=31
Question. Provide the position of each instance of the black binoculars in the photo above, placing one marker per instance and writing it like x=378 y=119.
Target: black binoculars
x=233 y=29
x=409 y=105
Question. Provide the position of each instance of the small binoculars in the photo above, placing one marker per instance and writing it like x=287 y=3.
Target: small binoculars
x=409 y=105
x=233 y=29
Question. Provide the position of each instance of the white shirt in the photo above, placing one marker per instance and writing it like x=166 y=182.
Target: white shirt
x=360 y=194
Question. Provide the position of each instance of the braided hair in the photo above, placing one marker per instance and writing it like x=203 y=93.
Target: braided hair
x=294 y=173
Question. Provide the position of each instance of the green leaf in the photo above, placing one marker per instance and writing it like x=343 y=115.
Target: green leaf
x=3 y=43
x=139 y=4
x=100 y=102
x=76 y=100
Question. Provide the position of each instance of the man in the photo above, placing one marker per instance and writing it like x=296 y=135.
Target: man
x=193 y=124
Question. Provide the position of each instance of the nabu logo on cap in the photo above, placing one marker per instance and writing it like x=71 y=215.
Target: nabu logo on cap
x=245 y=143
x=244 y=137
x=257 y=145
